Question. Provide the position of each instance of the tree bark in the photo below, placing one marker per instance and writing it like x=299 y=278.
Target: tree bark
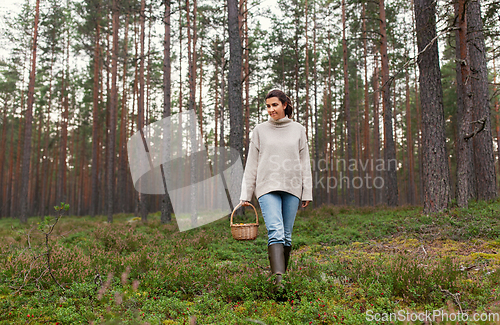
x=166 y=210
x=140 y=105
x=497 y=110
x=28 y=126
x=366 y=126
x=112 y=115
x=95 y=122
x=436 y=183
x=306 y=115
x=484 y=162
x=247 y=84
x=391 y=181
x=377 y=192
x=234 y=79
x=2 y=157
x=347 y=110
x=409 y=141
x=465 y=176
x=122 y=174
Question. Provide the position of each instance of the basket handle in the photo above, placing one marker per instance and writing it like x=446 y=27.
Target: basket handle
x=239 y=204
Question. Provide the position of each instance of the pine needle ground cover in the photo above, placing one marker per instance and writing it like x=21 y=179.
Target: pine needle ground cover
x=346 y=264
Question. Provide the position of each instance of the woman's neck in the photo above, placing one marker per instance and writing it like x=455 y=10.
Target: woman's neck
x=281 y=121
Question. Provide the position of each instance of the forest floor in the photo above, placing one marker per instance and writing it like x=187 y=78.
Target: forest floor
x=348 y=266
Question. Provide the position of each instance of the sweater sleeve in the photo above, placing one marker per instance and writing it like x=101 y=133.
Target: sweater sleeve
x=250 y=174
x=305 y=163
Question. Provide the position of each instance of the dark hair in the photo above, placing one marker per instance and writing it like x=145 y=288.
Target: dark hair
x=284 y=99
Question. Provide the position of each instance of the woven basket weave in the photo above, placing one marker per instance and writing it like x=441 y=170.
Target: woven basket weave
x=246 y=231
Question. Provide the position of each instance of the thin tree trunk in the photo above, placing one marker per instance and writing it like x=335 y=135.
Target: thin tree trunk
x=315 y=74
x=391 y=181
x=95 y=122
x=247 y=84
x=82 y=191
x=140 y=106
x=377 y=188
x=366 y=126
x=62 y=171
x=135 y=91
x=216 y=77
x=419 y=192
x=2 y=156
x=409 y=140
x=200 y=103
x=166 y=210
x=10 y=176
x=357 y=145
x=16 y=181
x=306 y=115
x=112 y=115
x=34 y=200
x=122 y=175
x=347 y=110
x=234 y=97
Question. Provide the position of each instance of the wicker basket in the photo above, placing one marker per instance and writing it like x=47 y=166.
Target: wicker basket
x=245 y=231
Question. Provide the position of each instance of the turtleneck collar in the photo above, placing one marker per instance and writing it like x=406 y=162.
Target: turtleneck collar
x=280 y=122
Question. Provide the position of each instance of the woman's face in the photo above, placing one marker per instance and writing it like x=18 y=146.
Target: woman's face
x=275 y=108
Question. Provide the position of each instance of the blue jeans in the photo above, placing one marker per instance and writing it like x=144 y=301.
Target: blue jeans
x=279 y=209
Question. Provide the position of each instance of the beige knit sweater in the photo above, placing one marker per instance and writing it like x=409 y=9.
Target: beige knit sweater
x=278 y=160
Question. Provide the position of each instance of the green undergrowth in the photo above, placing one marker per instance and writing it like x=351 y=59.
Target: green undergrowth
x=346 y=263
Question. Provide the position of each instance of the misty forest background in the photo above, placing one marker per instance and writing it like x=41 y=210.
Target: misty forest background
x=411 y=81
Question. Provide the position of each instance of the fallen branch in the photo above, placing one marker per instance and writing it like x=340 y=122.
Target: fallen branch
x=454 y=296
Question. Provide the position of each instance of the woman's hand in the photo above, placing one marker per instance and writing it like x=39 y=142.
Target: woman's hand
x=305 y=203
x=244 y=203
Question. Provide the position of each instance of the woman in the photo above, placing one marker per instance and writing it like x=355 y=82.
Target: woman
x=278 y=171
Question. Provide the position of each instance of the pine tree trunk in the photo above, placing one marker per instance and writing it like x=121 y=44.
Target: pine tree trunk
x=3 y=143
x=28 y=126
x=140 y=106
x=166 y=210
x=95 y=123
x=376 y=175
x=347 y=112
x=465 y=168
x=306 y=115
x=247 y=84
x=484 y=162
x=419 y=192
x=16 y=181
x=436 y=181
x=234 y=96
x=366 y=126
x=62 y=171
x=497 y=110
x=10 y=176
x=112 y=116
x=409 y=141
x=316 y=131
x=391 y=181
x=35 y=189
x=357 y=154
x=122 y=174
x=82 y=187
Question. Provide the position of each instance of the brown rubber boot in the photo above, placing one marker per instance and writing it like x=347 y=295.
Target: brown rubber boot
x=277 y=261
x=286 y=251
